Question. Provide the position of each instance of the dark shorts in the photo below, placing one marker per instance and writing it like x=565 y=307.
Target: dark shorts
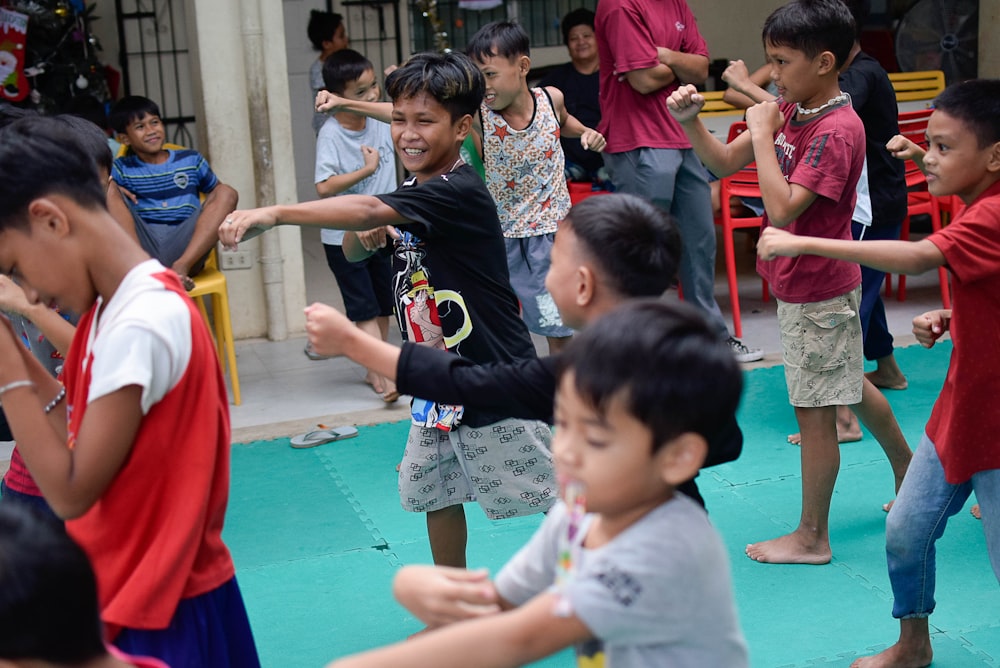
x=207 y=630
x=365 y=286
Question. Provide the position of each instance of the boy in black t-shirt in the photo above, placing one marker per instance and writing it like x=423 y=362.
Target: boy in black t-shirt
x=452 y=291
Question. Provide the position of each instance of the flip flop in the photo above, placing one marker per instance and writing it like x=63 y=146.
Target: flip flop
x=320 y=436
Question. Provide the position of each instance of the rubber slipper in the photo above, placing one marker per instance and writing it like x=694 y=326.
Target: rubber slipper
x=187 y=282
x=320 y=436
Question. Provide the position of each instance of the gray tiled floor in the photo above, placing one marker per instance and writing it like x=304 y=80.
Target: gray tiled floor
x=284 y=392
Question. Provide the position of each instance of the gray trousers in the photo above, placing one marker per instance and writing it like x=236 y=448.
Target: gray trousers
x=676 y=181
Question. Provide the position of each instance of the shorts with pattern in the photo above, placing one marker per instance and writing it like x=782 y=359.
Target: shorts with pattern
x=528 y=260
x=505 y=466
x=822 y=348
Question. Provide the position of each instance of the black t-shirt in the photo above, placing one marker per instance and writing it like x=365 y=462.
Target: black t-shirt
x=875 y=102
x=581 y=94
x=453 y=250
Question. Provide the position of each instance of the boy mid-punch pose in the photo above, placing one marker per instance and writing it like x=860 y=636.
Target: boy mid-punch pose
x=452 y=291
x=628 y=572
x=809 y=150
x=957 y=454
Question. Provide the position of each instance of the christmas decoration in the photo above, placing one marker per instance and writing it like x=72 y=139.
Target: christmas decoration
x=13 y=35
x=429 y=10
x=60 y=66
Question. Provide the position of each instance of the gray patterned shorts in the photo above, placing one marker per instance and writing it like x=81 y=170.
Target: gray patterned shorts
x=822 y=349
x=505 y=466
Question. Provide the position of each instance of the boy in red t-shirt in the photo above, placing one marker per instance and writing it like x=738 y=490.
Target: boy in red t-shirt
x=955 y=456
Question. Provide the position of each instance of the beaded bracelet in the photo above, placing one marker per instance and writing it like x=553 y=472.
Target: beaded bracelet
x=13 y=385
x=55 y=400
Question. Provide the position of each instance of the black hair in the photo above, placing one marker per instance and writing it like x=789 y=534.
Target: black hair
x=812 y=26
x=505 y=39
x=450 y=78
x=48 y=592
x=977 y=104
x=321 y=27
x=578 y=17
x=342 y=67
x=131 y=108
x=91 y=139
x=860 y=10
x=40 y=155
x=635 y=244
x=9 y=113
x=666 y=365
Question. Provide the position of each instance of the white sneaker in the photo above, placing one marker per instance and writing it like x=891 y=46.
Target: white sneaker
x=742 y=353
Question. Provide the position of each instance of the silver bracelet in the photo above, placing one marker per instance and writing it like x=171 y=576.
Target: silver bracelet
x=55 y=400
x=14 y=385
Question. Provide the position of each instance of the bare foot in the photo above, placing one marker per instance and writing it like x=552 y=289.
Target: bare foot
x=888 y=506
x=885 y=380
x=846 y=436
x=376 y=382
x=793 y=548
x=897 y=657
x=976 y=512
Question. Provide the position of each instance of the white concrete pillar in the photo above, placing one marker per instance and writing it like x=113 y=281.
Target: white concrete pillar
x=222 y=84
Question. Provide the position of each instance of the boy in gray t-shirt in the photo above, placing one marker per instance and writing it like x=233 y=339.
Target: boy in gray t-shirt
x=625 y=570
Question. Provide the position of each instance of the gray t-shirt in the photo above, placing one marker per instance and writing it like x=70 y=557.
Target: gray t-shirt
x=338 y=151
x=659 y=594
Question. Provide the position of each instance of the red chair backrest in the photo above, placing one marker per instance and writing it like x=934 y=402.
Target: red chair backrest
x=913 y=126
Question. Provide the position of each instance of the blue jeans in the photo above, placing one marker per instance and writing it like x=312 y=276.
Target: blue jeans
x=918 y=518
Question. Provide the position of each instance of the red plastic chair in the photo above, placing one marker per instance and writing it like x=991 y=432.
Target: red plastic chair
x=741 y=184
x=913 y=125
x=581 y=190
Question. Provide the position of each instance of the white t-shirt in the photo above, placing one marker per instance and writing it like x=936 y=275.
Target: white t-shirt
x=142 y=337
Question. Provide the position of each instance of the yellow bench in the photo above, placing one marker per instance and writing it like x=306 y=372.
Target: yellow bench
x=715 y=106
x=910 y=86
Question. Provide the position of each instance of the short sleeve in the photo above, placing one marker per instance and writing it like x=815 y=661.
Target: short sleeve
x=153 y=355
x=971 y=244
x=631 y=40
x=207 y=180
x=533 y=569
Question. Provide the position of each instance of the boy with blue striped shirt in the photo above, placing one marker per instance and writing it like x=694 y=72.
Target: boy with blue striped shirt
x=171 y=222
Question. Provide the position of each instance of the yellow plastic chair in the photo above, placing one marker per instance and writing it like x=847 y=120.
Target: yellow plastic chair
x=923 y=85
x=212 y=283
x=716 y=106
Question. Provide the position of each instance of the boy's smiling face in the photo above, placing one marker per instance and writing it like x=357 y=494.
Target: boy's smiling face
x=954 y=162
x=145 y=136
x=505 y=79
x=425 y=136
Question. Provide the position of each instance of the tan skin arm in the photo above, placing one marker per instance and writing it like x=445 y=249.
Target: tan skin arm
x=338 y=183
x=570 y=125
x=53 y=326
x=783 y=201
x=347 y=212
x=897 y=257
x=329 y=103
x=331 y=333
x=502 y=640
x=684 y=105
x=71 y=480
x=745 y=89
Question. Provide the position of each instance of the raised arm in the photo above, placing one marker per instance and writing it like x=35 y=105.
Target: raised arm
x=721 y=159
x=897 y=257
x=746 y=89
x=347 y=212
x=328 y=103
x=903 y=149
x=53 y=326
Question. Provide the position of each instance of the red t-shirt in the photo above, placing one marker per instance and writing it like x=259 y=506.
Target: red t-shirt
x=965 y=422
x=154 y=536
x=825 y=155
x=628 y=32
